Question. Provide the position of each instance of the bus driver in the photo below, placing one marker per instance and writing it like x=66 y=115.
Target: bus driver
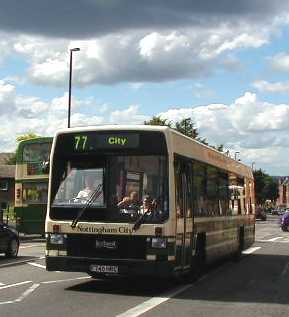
x=89 y=188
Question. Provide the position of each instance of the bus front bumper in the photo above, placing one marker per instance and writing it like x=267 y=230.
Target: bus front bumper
x=125 y=267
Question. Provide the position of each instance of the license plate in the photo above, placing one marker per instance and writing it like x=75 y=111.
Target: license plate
x=103 y=268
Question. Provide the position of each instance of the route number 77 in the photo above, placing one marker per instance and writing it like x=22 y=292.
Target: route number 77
x=80 y=142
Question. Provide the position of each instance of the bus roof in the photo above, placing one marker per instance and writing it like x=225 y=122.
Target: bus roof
x=35 y=140
x=114 y=127
x=219 y=159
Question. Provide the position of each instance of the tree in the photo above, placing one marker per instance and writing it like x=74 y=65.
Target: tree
x=28 y=136
x=186 y=127
x=271 y=189
x=156 y=120
x=265 y=187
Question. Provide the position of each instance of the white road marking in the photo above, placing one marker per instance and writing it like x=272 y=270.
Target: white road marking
x=14 y=285
x=37 y=265
x=26 y=293
x=18 y=262
x=251 y=250
x=8 y=302
x=152 y=303
x=275 y=239
x=67 y=280
x=31 y=289
x=2 y=284
x=270 y=240
x=31 y=246
x=284 y=241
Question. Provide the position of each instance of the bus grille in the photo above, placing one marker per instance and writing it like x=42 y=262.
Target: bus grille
x=113 y=247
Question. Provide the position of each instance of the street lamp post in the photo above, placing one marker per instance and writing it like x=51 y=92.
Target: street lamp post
x=236 y=154
x=70 y=77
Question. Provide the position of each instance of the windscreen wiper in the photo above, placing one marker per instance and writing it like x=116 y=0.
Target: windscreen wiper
x=140 y=220
x=94 y=195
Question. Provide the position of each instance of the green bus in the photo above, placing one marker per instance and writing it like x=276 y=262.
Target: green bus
x=31 y=181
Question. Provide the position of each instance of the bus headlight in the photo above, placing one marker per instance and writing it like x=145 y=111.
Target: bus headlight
x=159 y=243
x=56 y=238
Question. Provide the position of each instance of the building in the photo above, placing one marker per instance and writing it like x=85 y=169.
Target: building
x=7 y=181
x=283 y=186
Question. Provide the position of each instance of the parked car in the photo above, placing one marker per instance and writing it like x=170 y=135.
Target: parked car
x=275 y=212
x=284 y=221
x=9 y=241
x=260 y=214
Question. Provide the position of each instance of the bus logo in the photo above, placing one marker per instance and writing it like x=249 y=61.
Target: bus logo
x=102 y=244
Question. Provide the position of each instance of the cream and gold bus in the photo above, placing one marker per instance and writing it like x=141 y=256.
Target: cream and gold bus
x=144 y=200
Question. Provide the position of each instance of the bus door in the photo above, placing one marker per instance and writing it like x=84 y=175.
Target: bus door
x=184 y=200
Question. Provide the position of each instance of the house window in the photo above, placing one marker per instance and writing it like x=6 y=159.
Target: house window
x=3 y=184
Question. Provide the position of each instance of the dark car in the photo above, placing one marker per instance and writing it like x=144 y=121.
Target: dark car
x=260 y=214
x=9 y=241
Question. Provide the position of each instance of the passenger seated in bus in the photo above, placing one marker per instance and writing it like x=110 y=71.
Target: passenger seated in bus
x=150 y=210
x=130 y=202
x=148 y=205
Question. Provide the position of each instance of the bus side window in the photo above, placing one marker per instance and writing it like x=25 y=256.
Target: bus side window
x=178 y=190
x=199 y=189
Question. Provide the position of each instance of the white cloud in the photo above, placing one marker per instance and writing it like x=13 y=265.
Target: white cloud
x=128 y=116
x=20 y=114
x=259 y=130
x=277 y=87
x=280 y=62
x=143 y=55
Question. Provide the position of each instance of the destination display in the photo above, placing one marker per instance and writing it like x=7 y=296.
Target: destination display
x=97 y=142
x=92 y=142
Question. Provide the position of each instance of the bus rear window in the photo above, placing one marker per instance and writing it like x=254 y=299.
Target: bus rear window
x=36 y=152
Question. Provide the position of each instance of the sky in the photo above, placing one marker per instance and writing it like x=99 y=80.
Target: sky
x=224 y=63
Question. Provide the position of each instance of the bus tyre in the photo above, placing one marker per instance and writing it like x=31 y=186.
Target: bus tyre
x=13 y=248
x=199 y=260
x=237 y=255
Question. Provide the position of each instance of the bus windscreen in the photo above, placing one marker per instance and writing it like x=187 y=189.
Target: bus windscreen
x=127 y=187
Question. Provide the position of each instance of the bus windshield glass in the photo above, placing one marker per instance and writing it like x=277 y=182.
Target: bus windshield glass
x=112 y=188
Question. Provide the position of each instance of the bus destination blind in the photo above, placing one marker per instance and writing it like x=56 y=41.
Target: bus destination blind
x=88 y=142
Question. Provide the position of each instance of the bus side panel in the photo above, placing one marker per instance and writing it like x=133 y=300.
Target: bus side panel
x=31 y=220
x=222 y=235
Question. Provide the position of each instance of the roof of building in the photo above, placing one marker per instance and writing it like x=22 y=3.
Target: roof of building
x=7 y=171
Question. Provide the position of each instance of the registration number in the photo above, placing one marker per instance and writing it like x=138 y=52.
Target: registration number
x=103 y=268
